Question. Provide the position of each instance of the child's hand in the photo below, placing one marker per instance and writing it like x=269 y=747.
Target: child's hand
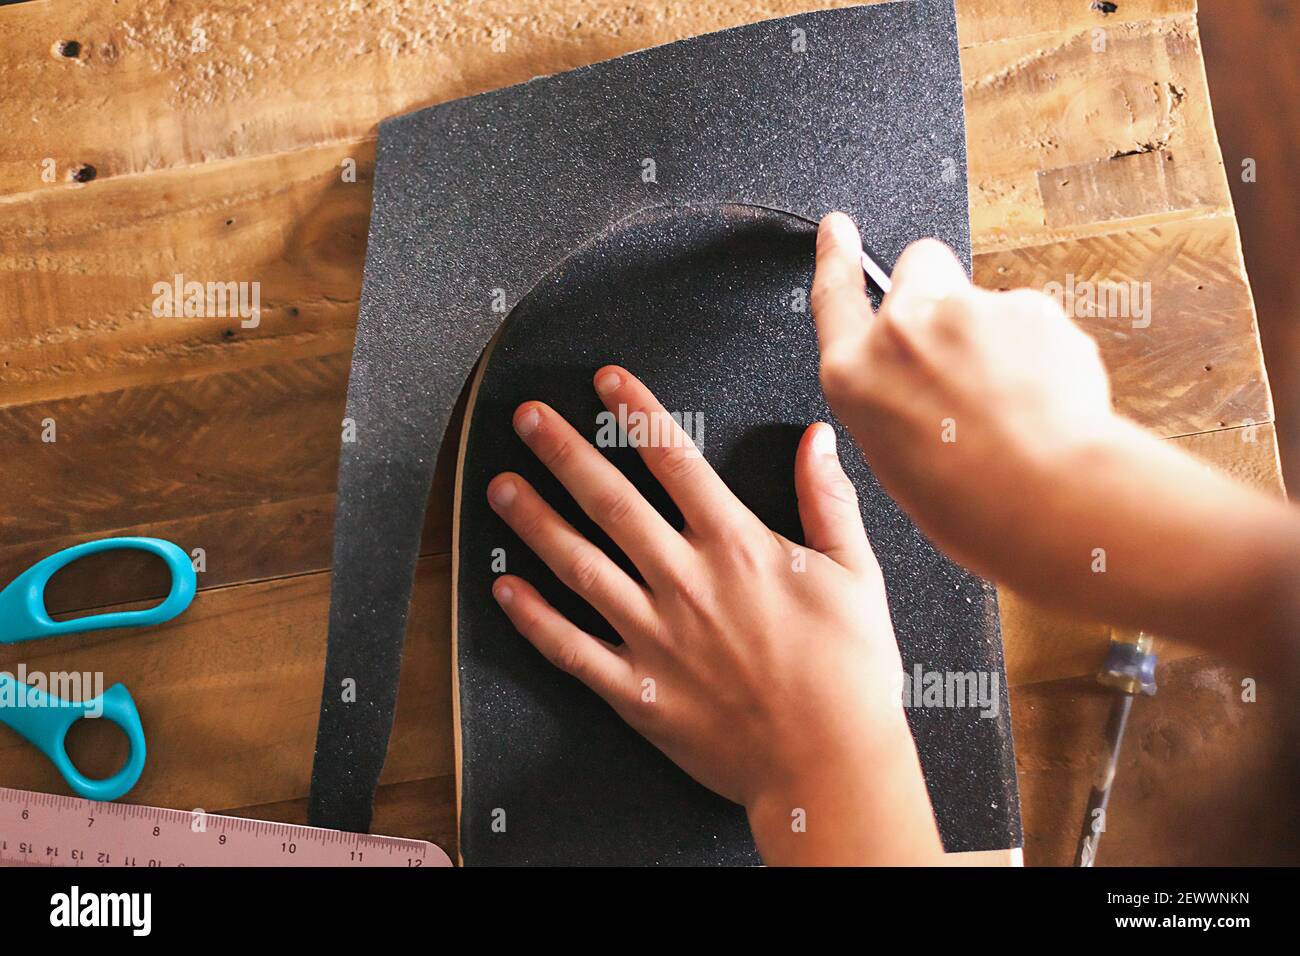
x=766 y=670
x=987 y=416
x=966 y=403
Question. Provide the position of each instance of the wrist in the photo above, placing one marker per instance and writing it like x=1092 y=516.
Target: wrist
x=865 y=805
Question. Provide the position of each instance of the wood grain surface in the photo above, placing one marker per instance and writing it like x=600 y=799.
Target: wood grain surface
x=220 y=134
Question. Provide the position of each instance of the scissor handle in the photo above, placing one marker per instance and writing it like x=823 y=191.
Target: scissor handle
x=45 y=721
x=23 y=615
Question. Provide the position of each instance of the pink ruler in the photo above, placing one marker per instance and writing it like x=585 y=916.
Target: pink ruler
x=42 y=829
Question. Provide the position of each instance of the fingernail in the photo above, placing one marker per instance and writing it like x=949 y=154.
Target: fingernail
x=502 y=494
x=608 y=382
x=823 y=441
x=527 y=423
x=503 y=593
x=842 y=231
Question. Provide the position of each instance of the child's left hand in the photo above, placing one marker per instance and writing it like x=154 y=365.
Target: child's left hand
x=772 y=667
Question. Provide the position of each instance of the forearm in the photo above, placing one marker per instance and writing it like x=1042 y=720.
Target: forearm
x=865 y=805
x=1134 y=532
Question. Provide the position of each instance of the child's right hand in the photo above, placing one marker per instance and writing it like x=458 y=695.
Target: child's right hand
x=967 y=403
x=987 y=415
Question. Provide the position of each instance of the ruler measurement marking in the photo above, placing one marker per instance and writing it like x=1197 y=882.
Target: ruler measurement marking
x=65 y=830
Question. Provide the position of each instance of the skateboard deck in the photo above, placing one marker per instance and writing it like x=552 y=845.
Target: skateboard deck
x=708 y=306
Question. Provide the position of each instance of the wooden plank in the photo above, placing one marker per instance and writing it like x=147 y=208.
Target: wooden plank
x=161 y=85
x=998 y=21
x=1059 y=126
x=1202 y=777
x=232 y=440
x=78 y=270
x=1189 y=360
x=242 y=465
x=155 y=86
x=229 y=694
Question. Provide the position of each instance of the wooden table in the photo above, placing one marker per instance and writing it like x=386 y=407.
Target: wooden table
x=211 y=139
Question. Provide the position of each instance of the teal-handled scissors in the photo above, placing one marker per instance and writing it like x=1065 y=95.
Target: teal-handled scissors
x=45 y=719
